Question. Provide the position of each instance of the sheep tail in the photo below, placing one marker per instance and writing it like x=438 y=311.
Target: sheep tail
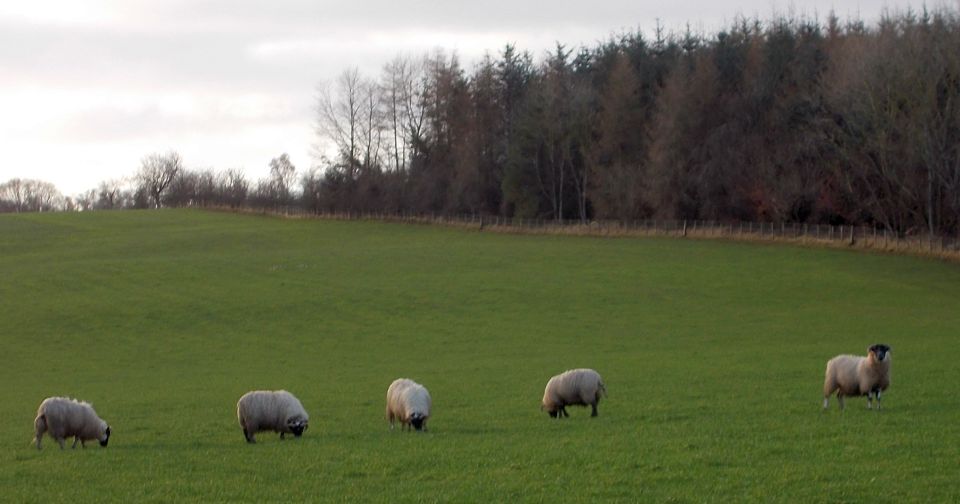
x=603 y=389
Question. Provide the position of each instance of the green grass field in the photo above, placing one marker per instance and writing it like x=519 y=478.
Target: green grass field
x=713 y=355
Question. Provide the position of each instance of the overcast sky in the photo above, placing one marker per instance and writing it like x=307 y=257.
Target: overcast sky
x=89 y=87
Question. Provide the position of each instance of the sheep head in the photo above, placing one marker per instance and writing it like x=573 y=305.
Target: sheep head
x=879 y=352
x=550 y=408
x=106 y=437
x=297 y=425
x=416 y=420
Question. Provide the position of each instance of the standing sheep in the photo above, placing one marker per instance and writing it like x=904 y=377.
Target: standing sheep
x=574 y=387
x=63 y=417
x=273 y=410
x=853 y=375
x=409 y=402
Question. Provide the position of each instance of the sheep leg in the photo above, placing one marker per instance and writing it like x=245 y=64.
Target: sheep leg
x=594 y=412
x=869 y=399
x=563 y=410
x=281 y=436
x=840 y=400
x=76 y=439
x=829 y=387
x=878 y=400
x=60 y=441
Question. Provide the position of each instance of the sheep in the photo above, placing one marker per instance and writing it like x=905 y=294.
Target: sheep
x=63 y=417
x=273 y=410
x=410 y=403
x=573 y=387
x=853 y=375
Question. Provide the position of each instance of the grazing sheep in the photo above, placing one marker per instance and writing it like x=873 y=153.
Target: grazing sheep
x=574 y=387
x=63 y=417
x=409 y=402
x=853 y=375
x=273 y=410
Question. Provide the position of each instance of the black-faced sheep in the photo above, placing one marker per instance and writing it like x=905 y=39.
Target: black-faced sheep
x=580 y=387
x=408 y=402
x=63 y=417
x=271 y=410
x=854 y=375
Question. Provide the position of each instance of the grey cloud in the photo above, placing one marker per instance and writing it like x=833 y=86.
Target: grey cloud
x=115 y=125
x=210 y=43
x=121 y=58
x=109 y=123
x=210 y=47
x=299 y=15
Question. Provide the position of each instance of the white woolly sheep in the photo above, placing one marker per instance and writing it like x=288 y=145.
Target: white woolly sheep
x=578 y=387
x=409 y=402
x=271 y=410
x=853 y=375
x=63 y=417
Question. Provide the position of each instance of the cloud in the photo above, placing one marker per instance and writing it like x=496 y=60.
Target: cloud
x=62 y=13
x=87 y=88
x=176 y=113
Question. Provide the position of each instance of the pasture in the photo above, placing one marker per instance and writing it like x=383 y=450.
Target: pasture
x=712 y=352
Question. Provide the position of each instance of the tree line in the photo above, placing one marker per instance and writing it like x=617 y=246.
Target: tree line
x=792 y=120
x=161 y=181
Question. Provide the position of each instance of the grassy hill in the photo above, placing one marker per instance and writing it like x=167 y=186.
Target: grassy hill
x=712 y=352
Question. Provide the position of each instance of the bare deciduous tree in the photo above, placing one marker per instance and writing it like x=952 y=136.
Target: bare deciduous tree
x=13 y=191
x=233 y=187
x=395 y=84
x=157 y=172
x=28 y=195
x=339 y=107
x=108 y=194
x=43 y=196
x=282 y=177
x=85 y=201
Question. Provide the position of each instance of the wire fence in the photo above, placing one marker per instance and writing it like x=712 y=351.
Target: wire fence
x=839 y=236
